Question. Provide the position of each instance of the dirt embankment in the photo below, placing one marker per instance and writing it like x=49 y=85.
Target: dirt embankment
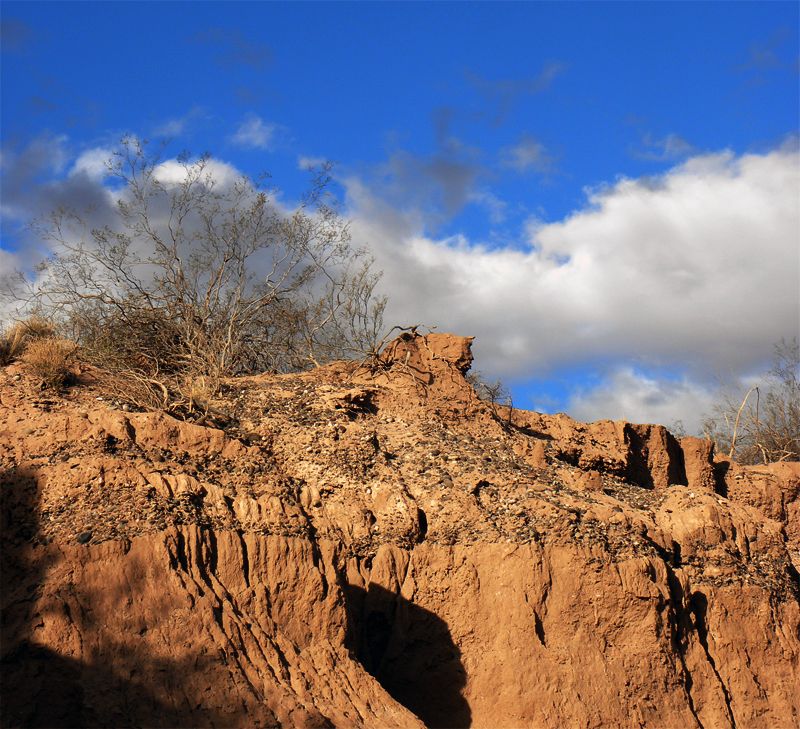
x=377 y=547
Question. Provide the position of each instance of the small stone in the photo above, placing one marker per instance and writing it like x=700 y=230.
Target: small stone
x=84 y=537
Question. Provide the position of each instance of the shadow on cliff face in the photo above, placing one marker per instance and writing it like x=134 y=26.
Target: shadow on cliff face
x=64 y=664
x=642 y=440
x=42 y=688
x=411 y=653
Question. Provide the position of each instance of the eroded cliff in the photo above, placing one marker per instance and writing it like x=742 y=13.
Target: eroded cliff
x=374 y=546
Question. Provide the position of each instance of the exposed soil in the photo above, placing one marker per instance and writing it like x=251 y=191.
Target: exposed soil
x=376 y=547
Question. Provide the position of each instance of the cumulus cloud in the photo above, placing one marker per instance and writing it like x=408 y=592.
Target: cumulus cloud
x=254 y=133
x=173 y=172
x=91 y=198
x=628 y=394
x=45 y=175
x=9 y=265
x=696 y=268
x=495 y=207
x=93 y=162
x=24 y=169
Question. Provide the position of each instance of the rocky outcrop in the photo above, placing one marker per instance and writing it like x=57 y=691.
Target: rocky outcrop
x=648 y=455
x=371 y=545
x=773 y=489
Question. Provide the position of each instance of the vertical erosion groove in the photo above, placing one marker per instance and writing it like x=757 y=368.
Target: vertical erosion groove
x=698 y=605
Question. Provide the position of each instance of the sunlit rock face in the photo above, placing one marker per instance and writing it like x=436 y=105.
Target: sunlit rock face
x=369 y=544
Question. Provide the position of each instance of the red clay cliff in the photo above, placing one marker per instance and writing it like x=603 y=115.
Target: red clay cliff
x=374 y=546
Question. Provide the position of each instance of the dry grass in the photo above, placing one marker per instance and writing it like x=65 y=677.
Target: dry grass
x=199 y=392
x=16 y=339
x=49 y=359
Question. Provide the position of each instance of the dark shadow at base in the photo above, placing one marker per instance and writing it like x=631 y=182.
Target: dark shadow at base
x=721 y=469
x=44 y=690
x=41 y=688
x=411 y=653
x=113 y=684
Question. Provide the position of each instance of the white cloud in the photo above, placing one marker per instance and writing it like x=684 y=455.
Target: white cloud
x=43 y=157
x=35 y=184
x=634 y=396
x=173 y=172
x=255 y=133
x=697 y=268
x=8 y=263
x=92 y=162
x=50 y=151
x=46 y=154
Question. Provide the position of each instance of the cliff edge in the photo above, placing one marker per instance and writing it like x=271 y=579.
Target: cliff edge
x=371 y=545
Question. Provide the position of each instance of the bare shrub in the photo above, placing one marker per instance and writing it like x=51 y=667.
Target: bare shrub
x=762 y=424
x=492 y=392
x=49 y=360
x=202 y=277
x=495 y=394
x=16 y=337
x=133 y=389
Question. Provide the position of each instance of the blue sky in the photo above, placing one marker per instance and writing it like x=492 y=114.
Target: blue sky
x=496 y=156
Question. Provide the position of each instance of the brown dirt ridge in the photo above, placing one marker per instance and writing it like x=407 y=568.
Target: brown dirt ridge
x=371 y=545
